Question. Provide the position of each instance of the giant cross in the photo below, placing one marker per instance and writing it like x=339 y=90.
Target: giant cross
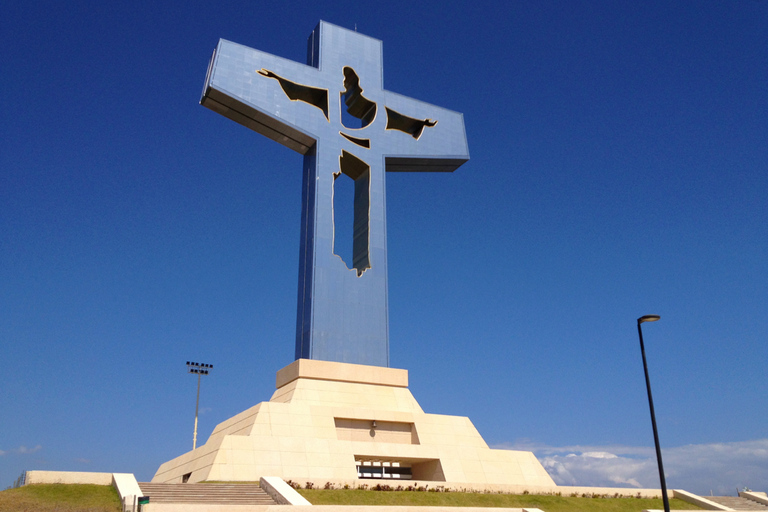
x=334 y=111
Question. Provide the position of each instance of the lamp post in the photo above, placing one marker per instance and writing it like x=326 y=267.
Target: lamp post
x=200 y=369
x=653 y=318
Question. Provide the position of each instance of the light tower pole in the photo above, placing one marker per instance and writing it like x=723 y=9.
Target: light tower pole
x=653 y=318
x=200 y=369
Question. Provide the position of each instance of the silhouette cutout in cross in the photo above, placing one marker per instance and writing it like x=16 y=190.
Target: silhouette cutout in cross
x=336 y=113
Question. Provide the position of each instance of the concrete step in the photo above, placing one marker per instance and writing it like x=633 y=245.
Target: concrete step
x=737 y=503
x=233 y=494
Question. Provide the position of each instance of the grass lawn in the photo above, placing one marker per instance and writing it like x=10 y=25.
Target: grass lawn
x=460 y=499
x=60 y=498
x=103 y=498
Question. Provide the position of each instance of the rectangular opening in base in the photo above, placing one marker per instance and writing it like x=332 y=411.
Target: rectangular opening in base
x=428 y=470
x=376 y=431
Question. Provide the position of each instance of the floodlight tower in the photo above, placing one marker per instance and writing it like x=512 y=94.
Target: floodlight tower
x=200 y=369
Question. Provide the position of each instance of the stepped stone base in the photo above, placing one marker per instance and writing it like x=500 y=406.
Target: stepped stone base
x=227 y=494
x=737 y=503
x=339 y=423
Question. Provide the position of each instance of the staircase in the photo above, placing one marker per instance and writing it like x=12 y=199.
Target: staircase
x=737 y=503
x=219 y=494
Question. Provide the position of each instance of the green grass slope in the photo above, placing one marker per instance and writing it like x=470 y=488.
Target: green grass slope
x=460 y=499
x=104 y=498
x=60 y=498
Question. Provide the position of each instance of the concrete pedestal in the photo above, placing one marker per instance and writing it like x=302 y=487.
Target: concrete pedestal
x=340 y=423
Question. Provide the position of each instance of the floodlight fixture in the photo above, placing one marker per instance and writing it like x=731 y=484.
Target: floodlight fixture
x=193 y=367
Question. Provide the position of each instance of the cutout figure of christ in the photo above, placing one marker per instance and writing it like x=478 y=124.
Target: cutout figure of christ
x=353 y=104
x=345 y=132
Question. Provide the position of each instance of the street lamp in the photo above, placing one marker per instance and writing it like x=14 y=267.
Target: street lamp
x=653 y=318
x=200 y=369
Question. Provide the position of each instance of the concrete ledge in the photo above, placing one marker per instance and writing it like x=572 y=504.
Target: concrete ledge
x=696 y=500
x=67 y=477
x=190 y=507
x=342 y=372
x=758 y=497
x=379 y=508
x=127 y=488
x=212 y=507
x=126 y=484
x=281 y=492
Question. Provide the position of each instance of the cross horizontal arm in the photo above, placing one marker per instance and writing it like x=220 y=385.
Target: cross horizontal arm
x=235 y=89
x=441 y=144
x=244 y=114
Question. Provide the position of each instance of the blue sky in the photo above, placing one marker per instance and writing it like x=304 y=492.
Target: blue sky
x=618 y=168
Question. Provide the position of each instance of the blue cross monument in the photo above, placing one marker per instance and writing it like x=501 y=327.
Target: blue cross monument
x=334 y=111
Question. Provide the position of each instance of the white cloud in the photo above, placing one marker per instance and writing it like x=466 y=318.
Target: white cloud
x=24 y=450
x=600 y=469
x=21 y=450
x=599 y=455
x=716 y=467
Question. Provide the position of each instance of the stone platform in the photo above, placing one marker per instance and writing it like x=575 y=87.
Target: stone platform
x=351 y=424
